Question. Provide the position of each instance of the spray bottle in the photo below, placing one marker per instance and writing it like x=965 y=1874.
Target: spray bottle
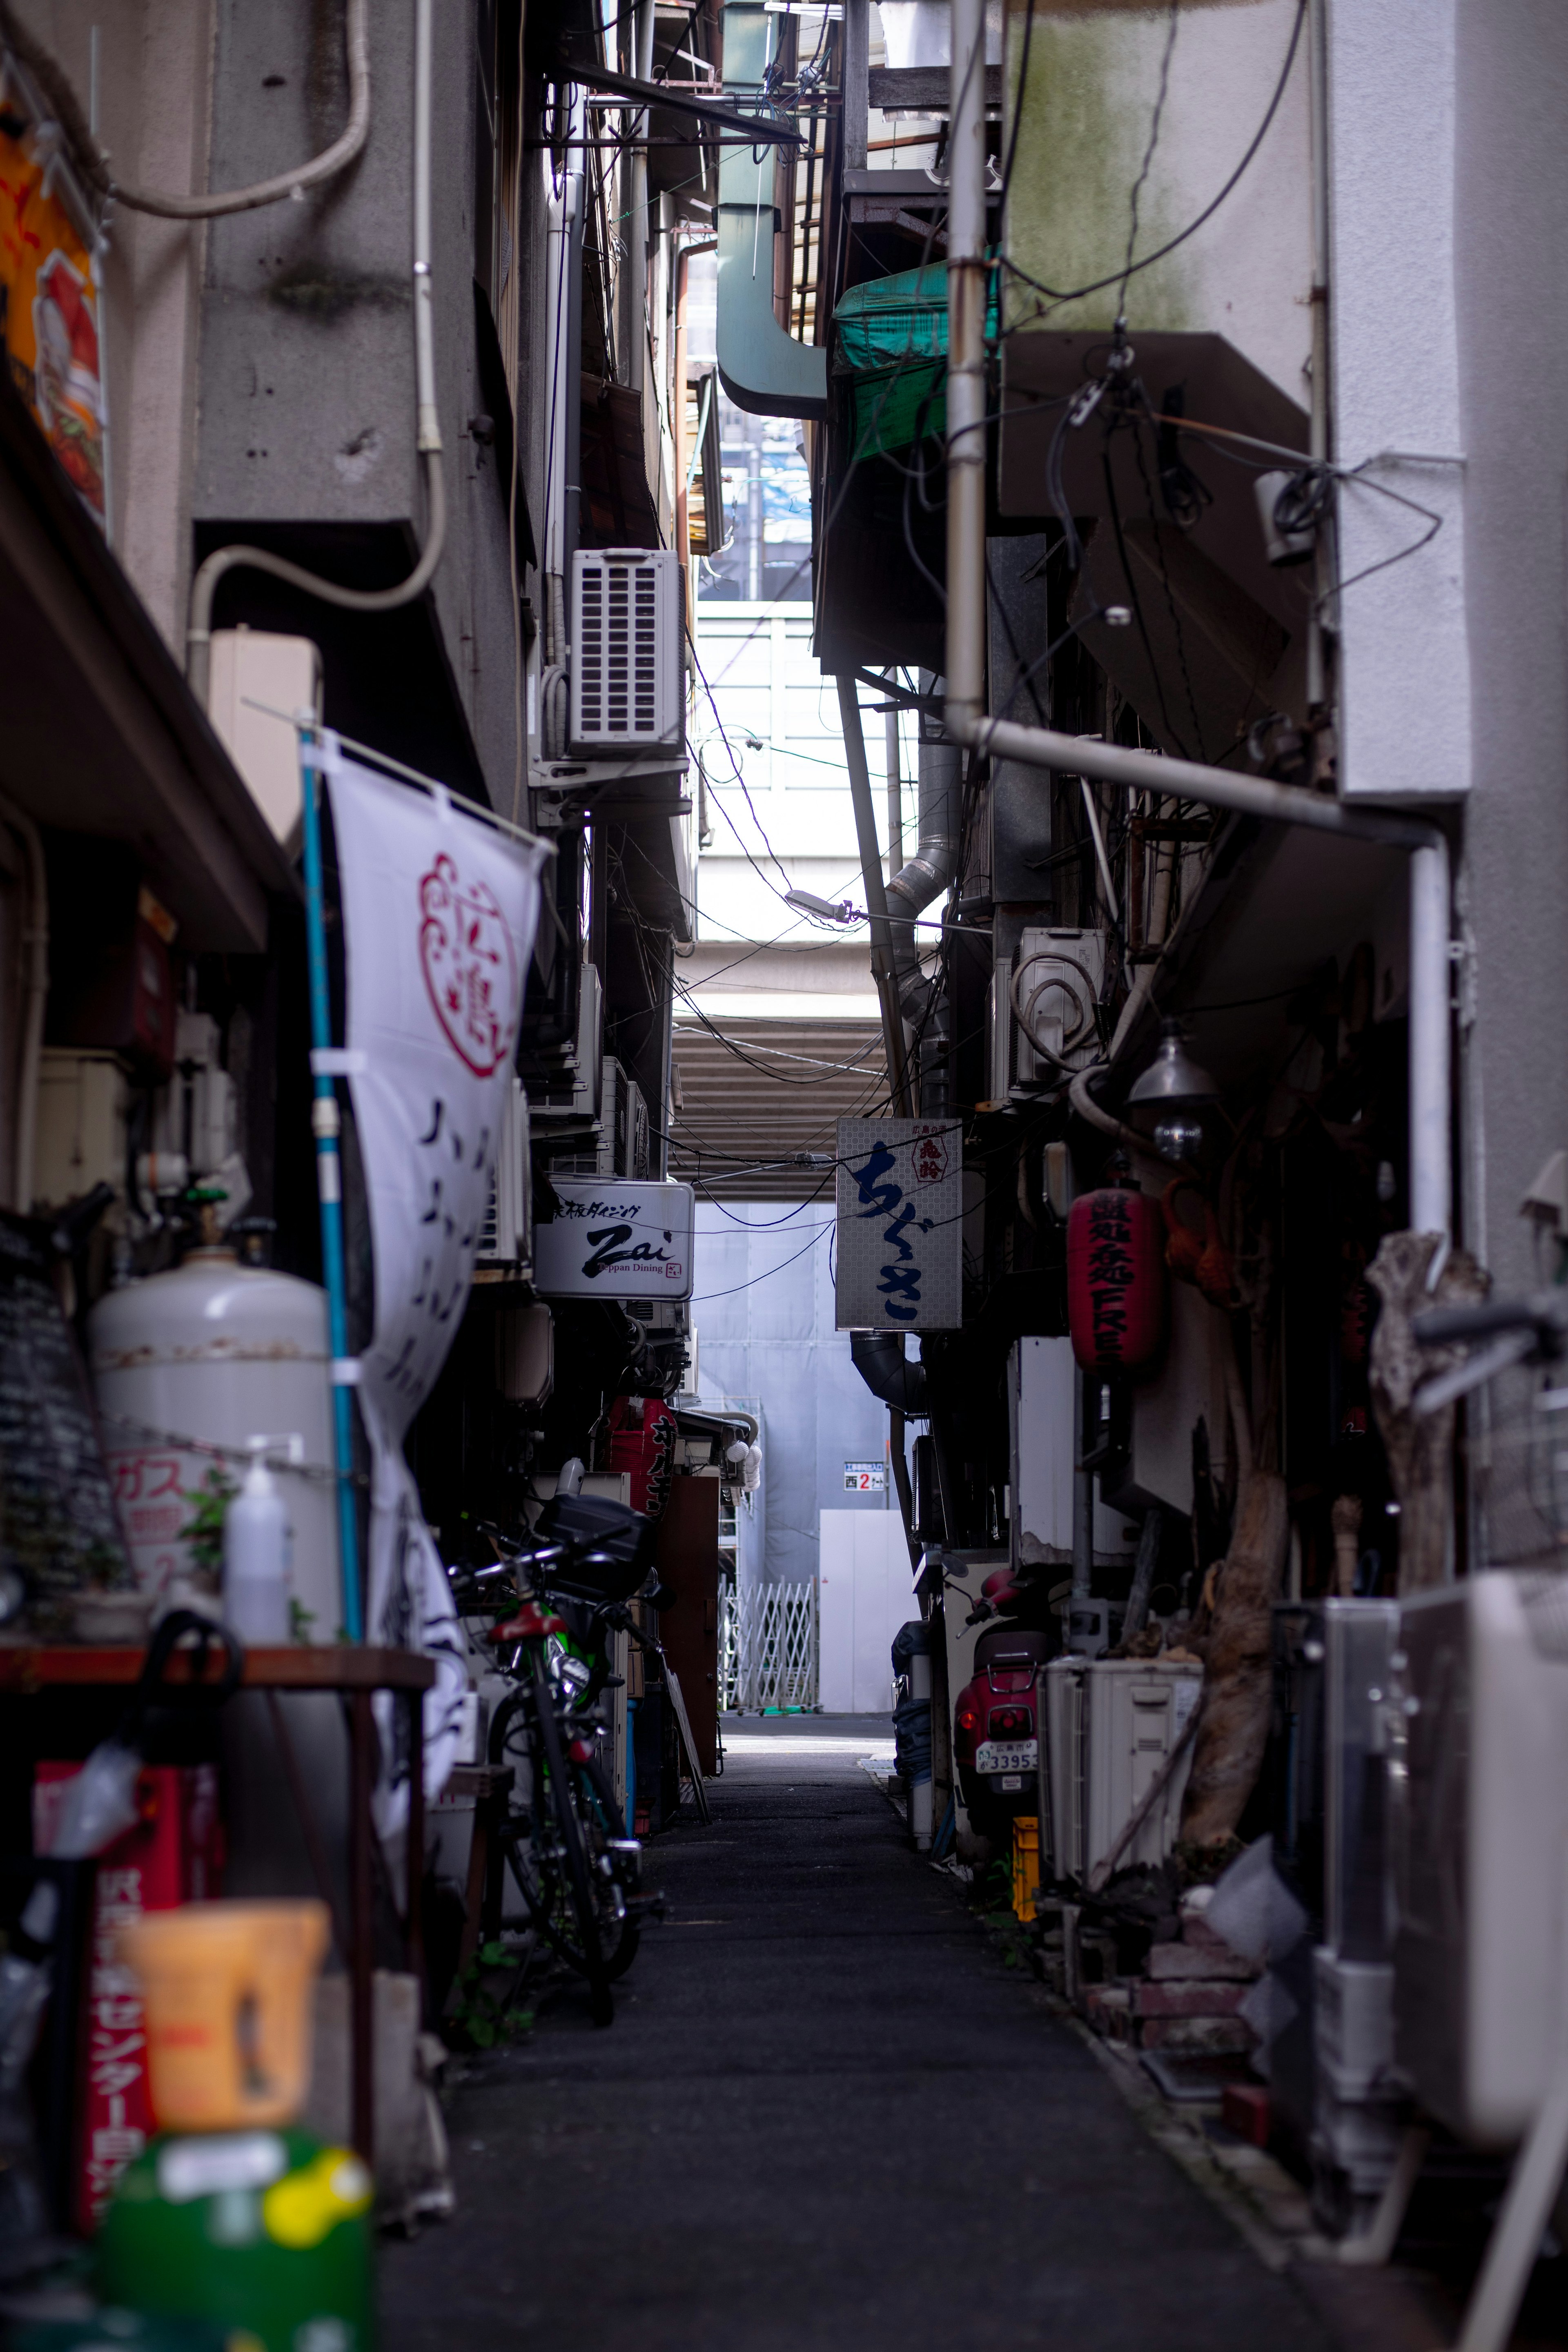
x=259 y=1548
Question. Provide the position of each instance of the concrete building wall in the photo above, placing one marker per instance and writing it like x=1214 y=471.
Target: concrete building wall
x=307 y=398
x=1511 y=269
x=762 y=1307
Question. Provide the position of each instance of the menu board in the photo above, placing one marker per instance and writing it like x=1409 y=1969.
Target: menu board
x=58 y=1531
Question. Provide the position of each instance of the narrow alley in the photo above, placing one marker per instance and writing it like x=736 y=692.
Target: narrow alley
x=745 y=2159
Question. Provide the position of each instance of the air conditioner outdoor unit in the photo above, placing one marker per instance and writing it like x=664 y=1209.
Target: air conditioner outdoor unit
x=636 y=1139
x=628 y=671
x=1109 y=1725
x=506 y=1236
x=1478 y=1817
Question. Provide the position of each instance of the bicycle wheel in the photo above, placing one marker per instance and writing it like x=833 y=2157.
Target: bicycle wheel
x=547 y=1850
x=604 y=1830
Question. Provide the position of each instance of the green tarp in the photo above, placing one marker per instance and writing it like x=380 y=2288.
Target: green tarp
x=892 y=338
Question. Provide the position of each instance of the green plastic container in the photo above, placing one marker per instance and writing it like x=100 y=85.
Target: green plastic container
x=265 y=2232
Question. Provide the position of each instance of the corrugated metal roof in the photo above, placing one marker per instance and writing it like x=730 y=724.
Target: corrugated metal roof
x=763 y=1089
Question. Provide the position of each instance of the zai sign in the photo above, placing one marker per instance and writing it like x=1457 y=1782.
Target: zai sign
x=899 y=1230
x=608 y=1237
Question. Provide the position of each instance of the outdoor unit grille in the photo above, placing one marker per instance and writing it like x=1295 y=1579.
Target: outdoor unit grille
x=627 y=674
x=506 y=1235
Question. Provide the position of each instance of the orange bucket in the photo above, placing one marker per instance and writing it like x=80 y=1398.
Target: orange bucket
x=228 y=1988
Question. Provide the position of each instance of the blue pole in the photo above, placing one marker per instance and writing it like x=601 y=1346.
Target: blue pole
x=325 y=1122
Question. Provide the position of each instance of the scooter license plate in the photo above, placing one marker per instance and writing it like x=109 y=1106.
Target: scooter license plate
x=1009 y=1756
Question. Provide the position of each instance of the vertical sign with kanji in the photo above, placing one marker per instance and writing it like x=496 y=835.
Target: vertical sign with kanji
x=900 y=1223
x=439 y=910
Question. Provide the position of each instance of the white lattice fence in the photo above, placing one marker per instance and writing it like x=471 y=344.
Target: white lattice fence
x=775 y=1647
x=729 y=1646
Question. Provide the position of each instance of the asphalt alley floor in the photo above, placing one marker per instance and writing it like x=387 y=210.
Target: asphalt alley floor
x=826 y=2119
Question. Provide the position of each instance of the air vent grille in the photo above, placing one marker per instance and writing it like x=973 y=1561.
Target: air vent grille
x=626 y=673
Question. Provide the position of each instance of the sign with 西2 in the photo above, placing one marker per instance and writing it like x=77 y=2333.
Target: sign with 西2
x=865 y=1478
x=612 y=1238
x=899 y=1225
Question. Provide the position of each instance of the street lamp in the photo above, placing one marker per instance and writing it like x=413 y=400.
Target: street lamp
x=1168 y=1103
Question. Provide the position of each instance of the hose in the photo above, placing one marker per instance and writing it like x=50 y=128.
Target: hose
x=325 y=166
x=224 y=560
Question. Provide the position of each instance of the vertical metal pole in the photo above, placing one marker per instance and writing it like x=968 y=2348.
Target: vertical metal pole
x=884 y=962
x=967 y=268
x=414 y=1938
x=362 y=1924
x=325 y=1125
x=895 y=797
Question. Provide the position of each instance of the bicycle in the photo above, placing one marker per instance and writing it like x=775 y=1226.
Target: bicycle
x=566 y=1842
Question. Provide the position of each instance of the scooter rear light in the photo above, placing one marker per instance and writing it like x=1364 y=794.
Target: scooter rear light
x=966 y=1719
x=1011 y=1723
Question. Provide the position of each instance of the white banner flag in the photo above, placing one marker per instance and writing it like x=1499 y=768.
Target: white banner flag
x=438 y=919
x=900 y=1224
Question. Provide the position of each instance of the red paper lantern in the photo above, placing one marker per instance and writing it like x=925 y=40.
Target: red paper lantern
x=1116 y=1279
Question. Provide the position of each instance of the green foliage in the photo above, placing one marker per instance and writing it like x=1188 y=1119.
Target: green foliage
x=483 y=2012
x=202 y=1531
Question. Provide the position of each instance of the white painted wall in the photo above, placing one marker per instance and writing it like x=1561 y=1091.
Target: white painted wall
x=866 y=1593
x=1404 y=649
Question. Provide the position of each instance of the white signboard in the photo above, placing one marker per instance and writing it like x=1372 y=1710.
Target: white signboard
x=899 y=1238
x=865 y=1478
x=613 y=1237
x=438 y=917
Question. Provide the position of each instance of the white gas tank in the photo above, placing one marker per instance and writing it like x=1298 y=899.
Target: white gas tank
x=223 y=1353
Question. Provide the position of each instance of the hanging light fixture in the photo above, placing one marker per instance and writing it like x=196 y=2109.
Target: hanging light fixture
x=1169 y=1102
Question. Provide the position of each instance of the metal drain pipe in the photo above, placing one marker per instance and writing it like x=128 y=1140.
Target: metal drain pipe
x=1431 y=1183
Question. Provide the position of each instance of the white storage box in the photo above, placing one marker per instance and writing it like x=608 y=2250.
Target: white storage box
x=1110 y=1724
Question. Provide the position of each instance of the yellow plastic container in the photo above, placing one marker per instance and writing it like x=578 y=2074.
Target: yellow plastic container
x=1026 y=1863
x=228 y=1990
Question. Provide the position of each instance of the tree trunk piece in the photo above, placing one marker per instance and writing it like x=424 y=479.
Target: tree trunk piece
x=1233 y=1719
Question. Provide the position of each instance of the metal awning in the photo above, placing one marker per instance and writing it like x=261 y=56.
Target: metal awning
x=99 y=732
x=761 y=1090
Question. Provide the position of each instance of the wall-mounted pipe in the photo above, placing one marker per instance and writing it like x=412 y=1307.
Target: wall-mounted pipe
x=761 y=365
x=1431 y=1188
x=224 y=560
x=35 y=936
x=928 y=873
x=879 y=1357
x=884 y=954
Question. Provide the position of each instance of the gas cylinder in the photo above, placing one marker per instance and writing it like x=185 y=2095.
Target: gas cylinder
x=1116 y=1278
x=216 y=1351
x=233 y=2214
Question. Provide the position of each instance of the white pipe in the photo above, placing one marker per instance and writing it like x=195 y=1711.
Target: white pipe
x=1431 y=1201
x=224 y=560
x=966 y=373
x=637 y=227
x=563 y=215
x=1317 y=81
x=325 y=166
x=36 y=937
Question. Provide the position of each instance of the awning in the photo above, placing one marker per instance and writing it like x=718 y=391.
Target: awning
x=99 y=733
x=759 y=1091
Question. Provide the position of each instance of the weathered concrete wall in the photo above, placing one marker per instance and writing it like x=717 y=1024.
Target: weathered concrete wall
x=306 y=378
x=1511 y=277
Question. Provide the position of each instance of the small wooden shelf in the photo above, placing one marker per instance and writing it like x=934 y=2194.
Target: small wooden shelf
x=27 y=1668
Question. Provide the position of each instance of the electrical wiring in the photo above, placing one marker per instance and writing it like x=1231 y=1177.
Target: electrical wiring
x=735 y=1288
x=1056 y=294
x=1166 y=584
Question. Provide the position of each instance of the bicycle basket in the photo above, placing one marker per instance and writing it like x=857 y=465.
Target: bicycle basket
x=624 y=1539
x=1518 y=1462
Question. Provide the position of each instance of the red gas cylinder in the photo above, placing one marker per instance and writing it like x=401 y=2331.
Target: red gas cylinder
x=1116 y=1278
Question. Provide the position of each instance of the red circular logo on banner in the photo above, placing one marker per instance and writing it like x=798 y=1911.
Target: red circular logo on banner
x=470 y=966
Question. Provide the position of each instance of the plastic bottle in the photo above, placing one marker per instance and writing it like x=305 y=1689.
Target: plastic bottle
x=257 y=1550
